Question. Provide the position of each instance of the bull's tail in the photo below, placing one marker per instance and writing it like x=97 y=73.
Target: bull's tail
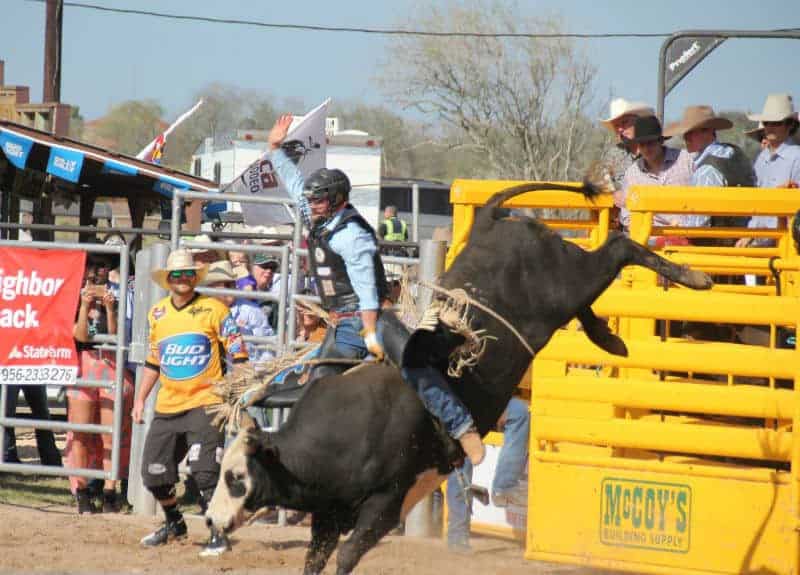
x=588 y=189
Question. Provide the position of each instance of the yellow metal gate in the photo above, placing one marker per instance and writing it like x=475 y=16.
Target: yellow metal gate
x=679 y=458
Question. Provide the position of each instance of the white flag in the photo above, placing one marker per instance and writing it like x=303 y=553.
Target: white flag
x=305 y=142
x=153 y=151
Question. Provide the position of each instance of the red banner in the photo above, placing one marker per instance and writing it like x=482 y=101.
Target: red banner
x=39 y=296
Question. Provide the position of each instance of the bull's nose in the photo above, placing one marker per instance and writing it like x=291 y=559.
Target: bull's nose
x=209 y=523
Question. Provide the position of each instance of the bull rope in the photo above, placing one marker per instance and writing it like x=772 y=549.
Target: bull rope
x=463 y=300
x=240 y=380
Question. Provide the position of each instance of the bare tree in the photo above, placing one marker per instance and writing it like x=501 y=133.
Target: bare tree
x=520 y=104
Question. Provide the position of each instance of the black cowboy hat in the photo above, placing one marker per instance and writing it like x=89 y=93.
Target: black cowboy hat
x=647 y=129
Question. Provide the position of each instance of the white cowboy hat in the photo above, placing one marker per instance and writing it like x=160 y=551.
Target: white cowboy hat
x=219 y=271
x=178 y=260
x=621 y=107
x=777 y=107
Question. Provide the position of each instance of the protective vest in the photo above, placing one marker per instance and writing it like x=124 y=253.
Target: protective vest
x=396 y=230
x=330 y=272
x=738 y=172
x=737 y=169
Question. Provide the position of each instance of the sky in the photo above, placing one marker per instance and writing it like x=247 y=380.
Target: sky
x=109 y=58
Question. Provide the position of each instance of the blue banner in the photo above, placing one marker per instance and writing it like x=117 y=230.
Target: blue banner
x=16 y=148
x=166 y=185
x=66 y=164
x=112 y=167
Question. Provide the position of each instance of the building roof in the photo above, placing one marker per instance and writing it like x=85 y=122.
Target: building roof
x=87 y=166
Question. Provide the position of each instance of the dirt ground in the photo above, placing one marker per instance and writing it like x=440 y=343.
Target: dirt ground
x=54 y=539
x=43 y=534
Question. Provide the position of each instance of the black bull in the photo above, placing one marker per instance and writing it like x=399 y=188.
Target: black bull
x=359 y=449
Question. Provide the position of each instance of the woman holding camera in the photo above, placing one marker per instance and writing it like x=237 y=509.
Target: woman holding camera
x=96 y=315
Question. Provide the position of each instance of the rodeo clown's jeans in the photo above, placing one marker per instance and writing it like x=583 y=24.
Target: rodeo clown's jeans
x=508 y=473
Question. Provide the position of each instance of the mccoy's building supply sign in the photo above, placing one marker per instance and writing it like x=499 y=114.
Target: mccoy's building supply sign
x=39 y=296
x=645 y=514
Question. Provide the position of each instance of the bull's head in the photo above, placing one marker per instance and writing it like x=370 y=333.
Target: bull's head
x=240 y=489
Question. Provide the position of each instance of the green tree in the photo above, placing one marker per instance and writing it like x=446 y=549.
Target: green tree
x=129 y=126
x=518 y=104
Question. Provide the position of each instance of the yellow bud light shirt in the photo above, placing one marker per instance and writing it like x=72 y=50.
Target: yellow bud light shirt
x=188 y=346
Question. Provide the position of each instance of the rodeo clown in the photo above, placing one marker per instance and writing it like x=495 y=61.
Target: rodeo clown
x=350 y=280
x=189 y=335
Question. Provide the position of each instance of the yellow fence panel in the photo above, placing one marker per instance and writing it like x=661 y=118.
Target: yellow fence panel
x=681 y=457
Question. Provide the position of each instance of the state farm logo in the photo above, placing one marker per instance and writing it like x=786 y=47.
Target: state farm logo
x=65 y=164
x=13 y=150
x=40 y=352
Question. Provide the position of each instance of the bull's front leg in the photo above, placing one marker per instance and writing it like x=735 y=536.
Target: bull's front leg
x=325 y=533
x=378 y=515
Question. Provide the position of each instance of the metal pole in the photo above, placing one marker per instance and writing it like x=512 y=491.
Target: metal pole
x=119 y=374
x=297 y=235
x=420 y=521
x=175 y=223
x=148 y=294
x=283 y=291
x=415 y=212
x=431 y=265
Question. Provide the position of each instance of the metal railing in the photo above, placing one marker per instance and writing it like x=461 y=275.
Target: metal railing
x=118 y=341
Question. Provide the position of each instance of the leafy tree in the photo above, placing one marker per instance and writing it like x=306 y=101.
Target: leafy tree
x=128 y=126
x=517 y=104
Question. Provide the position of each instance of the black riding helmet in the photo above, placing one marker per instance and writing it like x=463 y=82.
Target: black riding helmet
x=331 y=184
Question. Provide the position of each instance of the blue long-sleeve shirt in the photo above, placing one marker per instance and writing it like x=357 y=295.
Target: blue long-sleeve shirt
x=773 y=170
x=352 y=243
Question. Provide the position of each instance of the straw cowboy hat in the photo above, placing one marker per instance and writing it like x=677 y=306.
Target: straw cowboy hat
x=205 y=239
x=621 y=107
x=696 y=117
x=219 y=271
x=777 y=107
x=178 y=260
x=756 y=134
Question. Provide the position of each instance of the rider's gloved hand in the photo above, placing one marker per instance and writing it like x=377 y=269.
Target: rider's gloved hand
x=373 y=345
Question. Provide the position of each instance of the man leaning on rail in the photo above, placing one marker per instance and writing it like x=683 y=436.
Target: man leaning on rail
x=351 y=282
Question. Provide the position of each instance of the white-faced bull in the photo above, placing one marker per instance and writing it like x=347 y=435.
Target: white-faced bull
x=359 y=449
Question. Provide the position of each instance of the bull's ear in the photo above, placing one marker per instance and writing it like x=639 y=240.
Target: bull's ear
x=252 y=440
x=246 y=422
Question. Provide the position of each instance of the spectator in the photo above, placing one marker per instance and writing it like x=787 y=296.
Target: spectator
x=507 y=485
x=93 y=405
x=310 y=327
x=205 y=255
x=182 y=423
x=264 y=271
x=351 y=283
x=36 y=398
x=715 y=164
x=657 y=165
x=621 y=119
x=757 y=134
x=778 y=165
x=239 y=259
x=393 y=229
x=245 y=312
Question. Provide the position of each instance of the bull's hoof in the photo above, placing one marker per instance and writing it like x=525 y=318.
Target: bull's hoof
x=696 y=279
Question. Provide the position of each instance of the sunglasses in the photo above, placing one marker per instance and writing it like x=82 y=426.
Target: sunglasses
x=178 y=274
x=774 y=124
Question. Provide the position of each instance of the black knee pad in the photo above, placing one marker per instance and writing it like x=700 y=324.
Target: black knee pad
x=162 y=492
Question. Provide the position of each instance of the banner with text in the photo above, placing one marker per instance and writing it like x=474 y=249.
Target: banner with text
x=305 y=145
x=39 y=296
x=683 y=55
